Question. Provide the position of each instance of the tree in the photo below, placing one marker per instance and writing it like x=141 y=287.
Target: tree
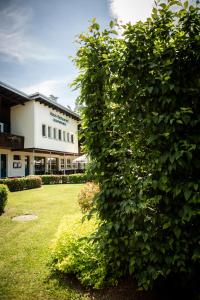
x=141 y=119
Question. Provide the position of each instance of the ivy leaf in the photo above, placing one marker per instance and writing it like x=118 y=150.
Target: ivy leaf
x=166 y=225
x=187 y=194
x=186 y=4
x=177 y=232
x=131 y=265
x=111 y=24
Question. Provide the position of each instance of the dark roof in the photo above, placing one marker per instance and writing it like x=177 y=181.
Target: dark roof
x=17 y=97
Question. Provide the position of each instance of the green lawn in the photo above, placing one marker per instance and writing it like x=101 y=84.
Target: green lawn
x=24 y=249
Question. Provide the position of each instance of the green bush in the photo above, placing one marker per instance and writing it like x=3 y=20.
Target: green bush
x=77 y=178
x=73 y=252
x=15 y=184
x=32 y=182
x=86 y=196
x=24 y=183
x=51 y=179
x=141 y=122
x=2 y=181
x=3 y=197
x=65 y=179
x=72 y=178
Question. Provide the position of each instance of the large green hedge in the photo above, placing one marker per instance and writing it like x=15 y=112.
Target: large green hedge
x=140 y=111
x=3 y=197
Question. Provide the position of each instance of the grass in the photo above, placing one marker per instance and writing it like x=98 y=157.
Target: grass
x=24 y=250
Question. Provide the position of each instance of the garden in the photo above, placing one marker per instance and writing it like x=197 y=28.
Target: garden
x=25 y=246
x=28 y=248
x=135 y=226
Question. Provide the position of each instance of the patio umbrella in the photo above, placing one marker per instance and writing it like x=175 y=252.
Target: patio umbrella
x=81 y=159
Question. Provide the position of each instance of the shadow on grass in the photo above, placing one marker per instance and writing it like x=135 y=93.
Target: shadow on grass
x=125 y=290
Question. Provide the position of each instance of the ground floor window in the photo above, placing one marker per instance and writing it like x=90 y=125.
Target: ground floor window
x=69 y=165
x=53 y=165
x=39 y=165
x=62 y=163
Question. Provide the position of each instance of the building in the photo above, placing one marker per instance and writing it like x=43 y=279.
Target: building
x=37 y=135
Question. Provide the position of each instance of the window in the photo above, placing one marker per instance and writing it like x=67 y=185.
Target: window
x=72 y=138
x=62 y=163
x=68 y=136
x=53 y=165
x=68 y=164
x=64 y=136
x=55 y=133
x=39 y=165
x=16 y=157
x=60 y=134
x=49 y=132
x=44 y=130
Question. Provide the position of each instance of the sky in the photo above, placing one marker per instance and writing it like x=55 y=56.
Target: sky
x=37 y=38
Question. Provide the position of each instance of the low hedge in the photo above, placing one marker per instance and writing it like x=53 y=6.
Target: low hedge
x=51 y=179
x=3 y=197
x=71 y=178
x=24 y=183
x=31 y=182
x=78 y=178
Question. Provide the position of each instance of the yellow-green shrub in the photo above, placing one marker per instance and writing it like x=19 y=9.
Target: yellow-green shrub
x=73 y=252
x=86 y=196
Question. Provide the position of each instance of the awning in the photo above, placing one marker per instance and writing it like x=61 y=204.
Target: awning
x=81 y=159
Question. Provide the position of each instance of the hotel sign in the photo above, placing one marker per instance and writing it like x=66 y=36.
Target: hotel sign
x=58 y=119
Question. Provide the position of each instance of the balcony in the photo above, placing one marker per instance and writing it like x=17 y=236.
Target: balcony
x=11 y=141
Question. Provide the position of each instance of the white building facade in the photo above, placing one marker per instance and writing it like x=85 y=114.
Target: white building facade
x=37 y=135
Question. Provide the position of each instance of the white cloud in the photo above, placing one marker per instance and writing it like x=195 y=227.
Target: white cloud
x=131 y=10
x=46 y=87
x=15 y=39
x=58 y=87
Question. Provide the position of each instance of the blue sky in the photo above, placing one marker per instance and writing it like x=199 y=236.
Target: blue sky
x=38 y=36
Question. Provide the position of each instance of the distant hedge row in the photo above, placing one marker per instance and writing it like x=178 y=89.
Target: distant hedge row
x=61 y=179
x=24 y=183
x=31 y=182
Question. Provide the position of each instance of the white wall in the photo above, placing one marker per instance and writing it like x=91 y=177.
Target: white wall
x=43 y=116
x=22 y=122
x=27 y=120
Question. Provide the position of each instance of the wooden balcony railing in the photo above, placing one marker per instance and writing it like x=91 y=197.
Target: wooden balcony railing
x=11 y=141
